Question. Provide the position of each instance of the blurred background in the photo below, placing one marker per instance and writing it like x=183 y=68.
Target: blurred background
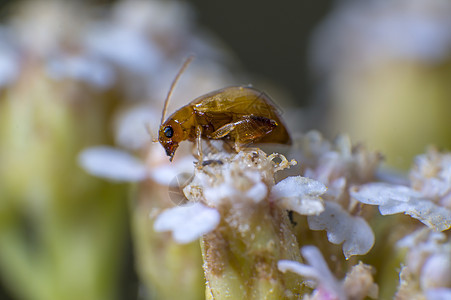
x=77 y=75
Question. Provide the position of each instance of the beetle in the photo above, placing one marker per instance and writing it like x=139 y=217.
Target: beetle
x=241 y=115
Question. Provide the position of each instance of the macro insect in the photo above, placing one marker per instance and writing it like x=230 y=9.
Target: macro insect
x=239 y=115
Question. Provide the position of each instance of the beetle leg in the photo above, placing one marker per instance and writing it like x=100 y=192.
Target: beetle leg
x=223 y=131
x=246 y=130
x=199 y=143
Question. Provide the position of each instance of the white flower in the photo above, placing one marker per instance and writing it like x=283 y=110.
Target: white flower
x=117 y=165
x=130 y=126
x=393 y=199
x=42 y=27
x=317 y=270
x=154 y=17
x=338 y=165
x=9 y=59
x=361 y=34
x=438 y=294
x=237 y=184
x=113 y=164
x=239 y=179
x=128 y=49
x=358 y=283
x=299 y=194
x=428 y=258
x=247 y=186
x=188 y=222
x=341 y=227
x=246 y=178
x=87 y=69
x=431 y=176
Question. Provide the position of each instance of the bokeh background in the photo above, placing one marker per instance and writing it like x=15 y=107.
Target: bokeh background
x=76 y=75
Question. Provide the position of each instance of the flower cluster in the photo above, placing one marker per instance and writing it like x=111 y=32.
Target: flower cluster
x=237 y=184
x=427 y=265
x=339 y=166
x=427 y=198
x=238 y=209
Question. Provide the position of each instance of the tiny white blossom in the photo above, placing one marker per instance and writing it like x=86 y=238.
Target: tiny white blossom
x=436 y=271
x=86 y=69
x=124 y=47
x=299 y=194
x=393 y=199
x=130 y=126
x=326 y=283
x=431 y=176
x=231 y=188
x=438 y=294
x=113 y=164
x=337 y=165
x=9 y=59
x=368 y=32
x=354 y=231
x=117 y=165
x=241 y=179
x=427 y=269
x=188 y=222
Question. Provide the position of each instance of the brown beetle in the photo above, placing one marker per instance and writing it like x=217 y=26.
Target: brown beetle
x=239 y=114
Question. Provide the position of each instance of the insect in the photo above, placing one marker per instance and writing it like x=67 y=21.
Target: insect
x=240 y=115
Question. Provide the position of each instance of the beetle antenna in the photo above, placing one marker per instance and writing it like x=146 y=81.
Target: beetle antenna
x=171 y=89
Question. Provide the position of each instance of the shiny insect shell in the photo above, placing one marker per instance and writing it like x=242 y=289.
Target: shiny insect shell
x=239 y=114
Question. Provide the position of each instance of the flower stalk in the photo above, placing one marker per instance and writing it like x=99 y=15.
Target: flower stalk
x=61 y=231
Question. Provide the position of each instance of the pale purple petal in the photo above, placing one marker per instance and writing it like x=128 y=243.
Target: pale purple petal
x=113 y=164
x=327 y=279
x=316 y=260
x=316 y=270
x=188 y=222
x=341 y=227
x=438 y=294
x=298 y=268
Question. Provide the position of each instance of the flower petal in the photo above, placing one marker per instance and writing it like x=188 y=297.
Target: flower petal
x=299 y=194
x=188 y=222
x=341 y=227
x=113 y=164
x=85 y=69
x=298 y=268
x=438 y=294
x=430 y=214
x=399 y=199
x=382 y=193
x=317 y=270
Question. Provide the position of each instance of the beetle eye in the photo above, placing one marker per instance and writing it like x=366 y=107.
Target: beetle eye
x=168 y=131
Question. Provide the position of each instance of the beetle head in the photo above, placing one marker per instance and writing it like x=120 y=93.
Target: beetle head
x=170 y=135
